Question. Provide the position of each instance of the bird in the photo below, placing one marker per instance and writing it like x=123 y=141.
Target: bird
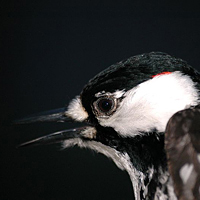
x=143 y=113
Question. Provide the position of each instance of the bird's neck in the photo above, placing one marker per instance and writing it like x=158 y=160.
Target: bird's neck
x=150 y=178
x=144 y=151
x=145 y=162
x=148 y=157
x=155 y=184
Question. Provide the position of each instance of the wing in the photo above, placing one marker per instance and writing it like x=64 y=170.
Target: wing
x=182 y=144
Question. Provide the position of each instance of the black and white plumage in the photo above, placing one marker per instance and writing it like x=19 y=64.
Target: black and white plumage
x=126 y=108
x=183 y=150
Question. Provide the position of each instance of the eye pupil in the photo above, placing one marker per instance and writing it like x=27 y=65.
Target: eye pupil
x=105 y=105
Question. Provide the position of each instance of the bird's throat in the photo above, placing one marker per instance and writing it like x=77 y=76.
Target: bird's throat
x=147 y=160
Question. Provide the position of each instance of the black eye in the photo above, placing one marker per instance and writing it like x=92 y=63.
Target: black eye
x=104 y=106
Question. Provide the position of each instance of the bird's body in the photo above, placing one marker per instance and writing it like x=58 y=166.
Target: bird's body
x=126 y=108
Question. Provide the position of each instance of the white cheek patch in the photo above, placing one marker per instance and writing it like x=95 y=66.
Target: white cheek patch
x=76 y=110
x=150 y=105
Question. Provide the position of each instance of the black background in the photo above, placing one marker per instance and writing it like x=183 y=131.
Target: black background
x=49 y=50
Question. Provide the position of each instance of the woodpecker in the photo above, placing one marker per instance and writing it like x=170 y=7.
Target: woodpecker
x=143 y=113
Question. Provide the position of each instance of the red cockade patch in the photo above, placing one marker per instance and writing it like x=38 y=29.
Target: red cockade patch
x=162 y=73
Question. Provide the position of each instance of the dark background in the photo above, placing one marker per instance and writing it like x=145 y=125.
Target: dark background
x=49 y=50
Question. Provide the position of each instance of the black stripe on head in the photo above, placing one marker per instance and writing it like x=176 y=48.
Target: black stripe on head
x=144 y=151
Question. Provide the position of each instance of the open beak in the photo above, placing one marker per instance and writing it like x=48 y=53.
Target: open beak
x=56 y=137
x=57 y=115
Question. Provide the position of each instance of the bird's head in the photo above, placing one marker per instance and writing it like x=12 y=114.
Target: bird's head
x=126 y=108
